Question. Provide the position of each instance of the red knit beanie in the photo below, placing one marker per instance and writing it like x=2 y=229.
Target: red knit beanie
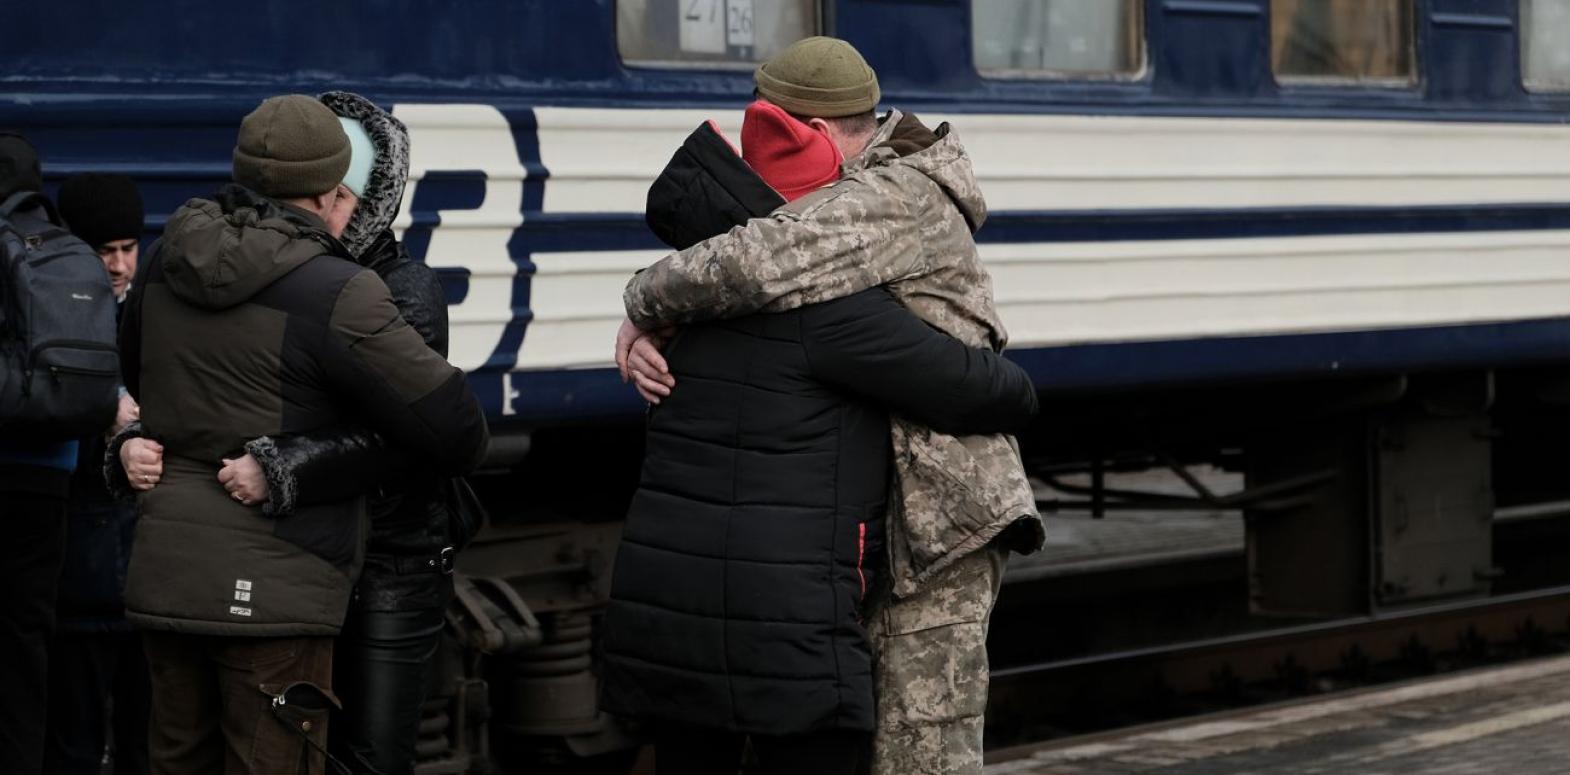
x=790 y=156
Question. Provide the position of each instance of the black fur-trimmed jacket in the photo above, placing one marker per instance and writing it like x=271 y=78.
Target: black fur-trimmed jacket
x=408 y=508
x=409 y=517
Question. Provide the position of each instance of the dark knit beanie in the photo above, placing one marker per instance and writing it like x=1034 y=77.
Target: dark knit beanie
x=819 y=78
x=19 y=170
x=101 y=208
x=291 y=146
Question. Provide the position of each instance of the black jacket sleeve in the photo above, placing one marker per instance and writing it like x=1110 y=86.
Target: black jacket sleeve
x=321 y=466
x=870 y=345
x=403 y=389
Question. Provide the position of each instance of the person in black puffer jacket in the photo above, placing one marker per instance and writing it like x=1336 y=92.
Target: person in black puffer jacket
x=755 y=534
x=395 y=617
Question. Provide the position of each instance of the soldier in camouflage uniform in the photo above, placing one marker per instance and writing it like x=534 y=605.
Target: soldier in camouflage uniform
x=902 y=215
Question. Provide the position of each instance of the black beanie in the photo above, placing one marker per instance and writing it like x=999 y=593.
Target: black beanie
x=18 y=165
x=101 y=208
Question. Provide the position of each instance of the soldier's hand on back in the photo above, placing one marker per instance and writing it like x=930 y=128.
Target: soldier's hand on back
x=625 y=336
x=650 y=373
x=639 y=360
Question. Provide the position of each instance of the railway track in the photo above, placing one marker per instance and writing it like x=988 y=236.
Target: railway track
x=1035 y=702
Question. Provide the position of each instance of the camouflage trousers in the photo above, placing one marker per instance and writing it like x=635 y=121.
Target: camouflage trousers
x=930 y=670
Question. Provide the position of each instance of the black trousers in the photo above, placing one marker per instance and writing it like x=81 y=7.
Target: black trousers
x=90 y=673
x=382 y=666
x=698 y=751
x=29 y=579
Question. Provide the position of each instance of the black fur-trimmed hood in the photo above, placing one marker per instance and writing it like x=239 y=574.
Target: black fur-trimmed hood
x=384 y=190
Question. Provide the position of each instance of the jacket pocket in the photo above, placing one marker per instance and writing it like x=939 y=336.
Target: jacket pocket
x=963 y=593
x=296 y=736
x=954 y=488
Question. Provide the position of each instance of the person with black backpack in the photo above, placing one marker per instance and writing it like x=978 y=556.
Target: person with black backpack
x=58 y=373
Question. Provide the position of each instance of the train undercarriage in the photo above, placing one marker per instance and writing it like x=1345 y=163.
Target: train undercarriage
x=1360 y=496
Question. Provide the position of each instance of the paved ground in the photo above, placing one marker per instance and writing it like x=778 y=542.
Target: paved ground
x=1513 y=720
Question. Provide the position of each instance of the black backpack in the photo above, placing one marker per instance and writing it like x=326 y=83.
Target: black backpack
x=59 y=366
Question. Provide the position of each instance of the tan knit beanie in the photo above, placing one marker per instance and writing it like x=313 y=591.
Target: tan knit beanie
x=291 y=146
x=819 y=78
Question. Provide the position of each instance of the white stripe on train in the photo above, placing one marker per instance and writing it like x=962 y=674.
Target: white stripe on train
x=602 y=160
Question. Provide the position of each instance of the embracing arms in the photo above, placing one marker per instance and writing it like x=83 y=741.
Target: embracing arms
x=831 y=244
x=871 y=345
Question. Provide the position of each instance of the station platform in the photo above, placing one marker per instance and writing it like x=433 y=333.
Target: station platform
x=1079 y=544
x=1512 y=719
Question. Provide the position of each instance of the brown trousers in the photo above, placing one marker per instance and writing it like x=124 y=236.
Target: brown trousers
x=213 y=704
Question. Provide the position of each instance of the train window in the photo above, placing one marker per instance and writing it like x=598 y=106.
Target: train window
x=1545 y=44
x=710 y=33
x=1058 y=38
x=1338 y=41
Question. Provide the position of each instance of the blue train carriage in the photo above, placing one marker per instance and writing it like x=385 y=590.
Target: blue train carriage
x=1323 y=242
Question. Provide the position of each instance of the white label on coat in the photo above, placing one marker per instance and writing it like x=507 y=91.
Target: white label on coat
x=244 y=584
x=235 y=610
x=244 y=597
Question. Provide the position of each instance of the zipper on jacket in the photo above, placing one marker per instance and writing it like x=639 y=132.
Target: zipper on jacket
x=861 y=556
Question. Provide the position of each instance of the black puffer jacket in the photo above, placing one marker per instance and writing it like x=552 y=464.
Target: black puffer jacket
x=251 y=322
x=748 y=549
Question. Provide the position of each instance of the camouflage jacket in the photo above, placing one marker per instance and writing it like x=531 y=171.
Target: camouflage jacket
x=902 y=215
